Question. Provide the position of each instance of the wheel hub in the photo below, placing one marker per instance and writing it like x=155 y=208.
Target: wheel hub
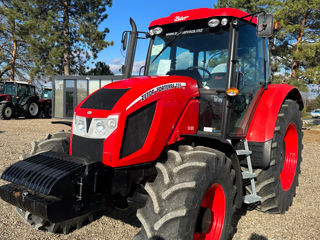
x=290 y=155
x=8 y=112
x=33 y=109
x=211 y=215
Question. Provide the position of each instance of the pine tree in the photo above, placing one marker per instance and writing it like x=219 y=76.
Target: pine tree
x=13 y=63
x=66 y=34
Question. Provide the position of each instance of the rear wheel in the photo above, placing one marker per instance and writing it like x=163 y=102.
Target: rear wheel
x=191 y=198
x=6 y=111
x=47 y=111
x=31 y=109
x=277 y=185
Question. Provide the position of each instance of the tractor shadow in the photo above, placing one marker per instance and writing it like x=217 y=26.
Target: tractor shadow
x=127 y=216
x=1 y=131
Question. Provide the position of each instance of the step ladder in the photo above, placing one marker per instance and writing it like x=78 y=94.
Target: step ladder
x=253 y=197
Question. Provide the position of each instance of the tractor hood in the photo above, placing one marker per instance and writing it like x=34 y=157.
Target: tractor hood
x=136 y=118
x=5 y=97
x=131 y=94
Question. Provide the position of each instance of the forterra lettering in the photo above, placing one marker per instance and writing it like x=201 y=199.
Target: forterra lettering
x=160 y=89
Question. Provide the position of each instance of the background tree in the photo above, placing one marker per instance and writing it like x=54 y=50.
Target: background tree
x=66 y=35
x=13 y=32
x=100 y=68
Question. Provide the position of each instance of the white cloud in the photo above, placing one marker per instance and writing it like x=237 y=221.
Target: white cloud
x=116 y=64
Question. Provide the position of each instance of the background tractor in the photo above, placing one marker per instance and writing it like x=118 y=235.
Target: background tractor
x=18 y=98
x=201 y=134
x=45 y=102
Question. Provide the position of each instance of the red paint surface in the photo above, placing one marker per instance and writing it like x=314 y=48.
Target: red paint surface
x=6 y=97
x=201 y=13
x=170 y=105
x=188 y=123
x=262 y=126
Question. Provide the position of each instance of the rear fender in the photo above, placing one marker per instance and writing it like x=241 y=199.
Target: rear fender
x=262 y=126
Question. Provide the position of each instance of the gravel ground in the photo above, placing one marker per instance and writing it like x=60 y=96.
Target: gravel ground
x=302 y=221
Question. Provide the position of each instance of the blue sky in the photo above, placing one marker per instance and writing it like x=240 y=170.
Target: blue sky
x=142 y=12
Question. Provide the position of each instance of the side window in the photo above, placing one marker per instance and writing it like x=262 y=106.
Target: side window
x=250 y=72
x=162 y=64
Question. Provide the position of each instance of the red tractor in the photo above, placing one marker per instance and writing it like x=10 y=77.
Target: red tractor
x=18 y=98
x=201 y=134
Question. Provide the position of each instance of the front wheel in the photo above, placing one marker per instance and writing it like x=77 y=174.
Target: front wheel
x=6 y=111
x=191 y=198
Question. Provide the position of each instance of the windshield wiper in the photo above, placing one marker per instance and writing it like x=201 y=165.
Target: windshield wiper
x=176 y=37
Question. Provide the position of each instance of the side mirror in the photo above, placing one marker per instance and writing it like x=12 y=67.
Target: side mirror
x=265 y=25
x=124 y=40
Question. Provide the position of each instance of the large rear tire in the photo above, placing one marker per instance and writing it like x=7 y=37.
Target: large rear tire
x=193 y=197
x=277 y=185
x=31 y=109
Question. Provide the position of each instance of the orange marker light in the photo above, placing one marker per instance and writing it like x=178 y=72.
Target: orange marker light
x=232 y=92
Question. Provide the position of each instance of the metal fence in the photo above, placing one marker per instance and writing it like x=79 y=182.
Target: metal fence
x=69 y=91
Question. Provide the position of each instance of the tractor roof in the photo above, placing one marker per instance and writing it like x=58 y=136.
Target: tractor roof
x=201 y=13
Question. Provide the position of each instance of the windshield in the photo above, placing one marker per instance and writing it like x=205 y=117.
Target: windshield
x=10 y=89
x=47 y=93
x=200 y=54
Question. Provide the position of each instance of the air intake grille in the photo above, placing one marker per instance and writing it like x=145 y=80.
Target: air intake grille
x=41 y=172
x=137 y=128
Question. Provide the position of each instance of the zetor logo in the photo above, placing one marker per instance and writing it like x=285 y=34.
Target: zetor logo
x=178 y=18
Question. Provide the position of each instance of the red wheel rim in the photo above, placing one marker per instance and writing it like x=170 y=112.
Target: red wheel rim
x=290 y=157
x=215 y=201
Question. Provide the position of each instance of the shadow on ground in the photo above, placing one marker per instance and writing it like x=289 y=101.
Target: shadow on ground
x=255 y=236
x=127 y=216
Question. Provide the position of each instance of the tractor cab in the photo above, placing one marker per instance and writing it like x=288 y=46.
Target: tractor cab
x=221 y=51
x=18 y=91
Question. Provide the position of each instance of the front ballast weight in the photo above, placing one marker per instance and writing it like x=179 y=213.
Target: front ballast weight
x=55 y=187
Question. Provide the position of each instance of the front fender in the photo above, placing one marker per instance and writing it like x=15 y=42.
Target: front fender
x=262 y=125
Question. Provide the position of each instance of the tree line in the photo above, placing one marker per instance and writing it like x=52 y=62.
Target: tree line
x=296 y=48
x=45 y=38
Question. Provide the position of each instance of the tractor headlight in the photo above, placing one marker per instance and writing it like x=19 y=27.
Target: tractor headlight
x=99 y=128
x=79 y=125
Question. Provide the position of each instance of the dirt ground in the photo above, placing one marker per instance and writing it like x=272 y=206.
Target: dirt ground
x=301 y=222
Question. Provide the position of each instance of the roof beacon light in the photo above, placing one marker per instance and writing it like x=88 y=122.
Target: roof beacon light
x=157 y=30
x=232 y=92
x=214 y=22
x=224 y=21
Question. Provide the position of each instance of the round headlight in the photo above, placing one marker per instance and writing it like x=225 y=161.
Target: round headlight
x=112 y=123
x=224 y=21
x=214 y=22
x=100 y=127
x=157 y=30
x=80 y=124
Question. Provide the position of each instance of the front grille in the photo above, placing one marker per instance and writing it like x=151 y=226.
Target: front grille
x=136 y=130
x=91 y=149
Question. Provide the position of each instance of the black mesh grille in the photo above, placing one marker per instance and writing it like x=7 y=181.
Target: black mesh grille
x=91 y=149
x=41 y=172
x=104 y=99
x=137 y=128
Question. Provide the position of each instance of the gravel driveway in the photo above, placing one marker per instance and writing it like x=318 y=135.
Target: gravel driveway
x=301 y=222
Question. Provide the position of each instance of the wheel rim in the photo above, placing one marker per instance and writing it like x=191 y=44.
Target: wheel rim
x=33 y=109
x=7 y=112
x=290 y=157
x=214 y=200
